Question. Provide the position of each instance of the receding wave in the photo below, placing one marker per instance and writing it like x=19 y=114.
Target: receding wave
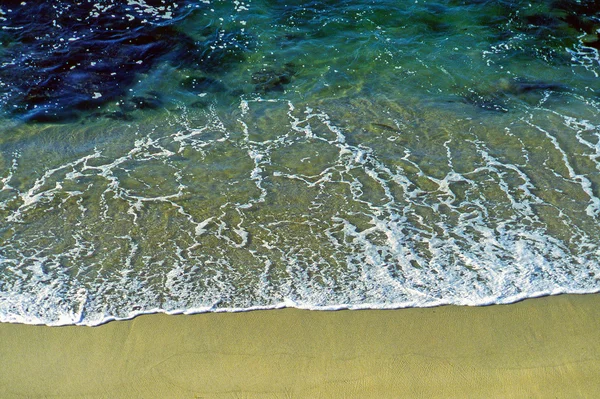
x=412 y=165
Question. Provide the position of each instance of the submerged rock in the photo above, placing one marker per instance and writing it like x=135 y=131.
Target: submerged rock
x=581 y=15
x=521 y=86
x=68 y=57
x=497 y=98
x=62 y=58
x=148 y=102
x=273 y=79
x=543 y=30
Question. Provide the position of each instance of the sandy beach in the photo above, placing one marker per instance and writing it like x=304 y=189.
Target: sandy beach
x=544 y=347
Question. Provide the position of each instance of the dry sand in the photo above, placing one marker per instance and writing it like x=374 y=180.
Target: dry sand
x=539 y=348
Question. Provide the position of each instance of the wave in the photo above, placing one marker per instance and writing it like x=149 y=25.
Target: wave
x=213 y=214
x=319 y=156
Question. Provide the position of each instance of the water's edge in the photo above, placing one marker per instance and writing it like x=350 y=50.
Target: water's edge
x=291 y=305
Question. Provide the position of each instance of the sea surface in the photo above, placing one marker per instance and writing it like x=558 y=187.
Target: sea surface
x=206 y=156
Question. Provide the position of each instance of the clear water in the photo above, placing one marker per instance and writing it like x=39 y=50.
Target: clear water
x=338 y=154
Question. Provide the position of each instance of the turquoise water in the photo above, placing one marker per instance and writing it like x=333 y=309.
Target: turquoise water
x=322 y=155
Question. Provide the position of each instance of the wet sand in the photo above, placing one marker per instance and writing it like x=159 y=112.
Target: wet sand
x=544 y=347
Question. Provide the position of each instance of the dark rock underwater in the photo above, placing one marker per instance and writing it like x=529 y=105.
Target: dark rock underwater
x=60 y=58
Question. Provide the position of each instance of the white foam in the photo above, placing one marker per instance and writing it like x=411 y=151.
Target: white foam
x=355 y=233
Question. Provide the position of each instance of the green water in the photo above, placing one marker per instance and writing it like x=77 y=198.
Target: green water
x=354 y=154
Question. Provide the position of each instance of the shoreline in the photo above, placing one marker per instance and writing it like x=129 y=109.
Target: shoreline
x=77 y=321
x=539 y=347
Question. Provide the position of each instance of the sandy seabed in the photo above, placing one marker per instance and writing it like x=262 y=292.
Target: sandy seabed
x=538 y=348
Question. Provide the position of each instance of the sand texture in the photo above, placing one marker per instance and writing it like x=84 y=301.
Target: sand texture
x=538 y=348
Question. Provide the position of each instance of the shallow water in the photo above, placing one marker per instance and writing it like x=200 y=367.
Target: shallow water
x=320 y=154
